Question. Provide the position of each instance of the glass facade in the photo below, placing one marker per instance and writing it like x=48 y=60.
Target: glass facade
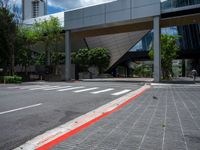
x=189 y=38
x=145 y=43
x=35 y=8
x=167 y=4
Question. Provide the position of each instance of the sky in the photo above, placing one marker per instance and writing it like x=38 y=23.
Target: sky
x=71 y=4
x=61 y=5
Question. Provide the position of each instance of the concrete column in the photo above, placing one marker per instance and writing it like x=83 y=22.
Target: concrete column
x=156 y=47
x=67 y=55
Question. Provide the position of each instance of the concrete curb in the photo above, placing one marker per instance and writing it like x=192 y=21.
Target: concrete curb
x=135 y=80
x=40 y=141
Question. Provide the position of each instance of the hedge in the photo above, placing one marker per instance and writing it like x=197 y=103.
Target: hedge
x=12 y=79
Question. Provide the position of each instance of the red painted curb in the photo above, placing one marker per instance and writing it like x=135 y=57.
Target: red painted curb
x=84 y=126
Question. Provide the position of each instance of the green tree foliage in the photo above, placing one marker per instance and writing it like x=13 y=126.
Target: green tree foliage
x=27 y=37
x=142 y=70
x=81 y=57
x=40 y=59
x=8 y=32
x=169 y=50
x=49 y=31
x=57 y=58
x=99 y=57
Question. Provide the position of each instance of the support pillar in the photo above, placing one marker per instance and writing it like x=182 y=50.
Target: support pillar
x=67 y=55
x=156 y=47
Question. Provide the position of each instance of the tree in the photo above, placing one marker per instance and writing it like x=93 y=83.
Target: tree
x=81 y=57
x=99 y=57
x=26 y=38
x=169 y=50
x=8 y=32
x=142 y=70
x=10 y=19
x=49 y=31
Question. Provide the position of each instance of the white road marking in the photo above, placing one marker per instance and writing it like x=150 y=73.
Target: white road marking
x=55 y=88
x=73 y=88
x=22 y=108
x=13 y=87
x=51 y=87
x=84 y=90
x=40 y=88
x=16 y=87
x=102 y=91
x=121 y=92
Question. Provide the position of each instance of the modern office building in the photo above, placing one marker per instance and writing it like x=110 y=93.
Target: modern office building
x=33 y=8
x=121 y=24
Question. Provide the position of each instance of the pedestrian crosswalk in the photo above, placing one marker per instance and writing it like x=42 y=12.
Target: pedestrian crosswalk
x=102 y=91
x=72 y=88
x=121 y=92
x=84 y=90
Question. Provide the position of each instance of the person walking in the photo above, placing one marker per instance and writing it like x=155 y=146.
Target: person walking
x=194 y=74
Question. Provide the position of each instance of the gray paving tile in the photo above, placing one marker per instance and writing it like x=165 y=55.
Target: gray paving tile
x=170 y=122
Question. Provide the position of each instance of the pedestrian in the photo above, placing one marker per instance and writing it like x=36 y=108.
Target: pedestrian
x=194 y=74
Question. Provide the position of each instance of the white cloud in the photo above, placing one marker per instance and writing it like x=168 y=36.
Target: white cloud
x=17 y=2
x=70 y=4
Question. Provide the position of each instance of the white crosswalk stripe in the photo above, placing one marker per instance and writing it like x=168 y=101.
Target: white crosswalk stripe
x=121 y=92
x=14 y=87
x=102 y=91
x=22 y=87
x=84 y=90
x=56 y=88
x=50 y=87
x=73 y=88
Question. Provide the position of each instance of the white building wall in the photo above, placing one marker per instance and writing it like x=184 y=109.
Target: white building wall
x=28 y=8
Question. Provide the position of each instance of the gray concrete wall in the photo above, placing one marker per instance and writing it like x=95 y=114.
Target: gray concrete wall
x=113 y=12
x=117 y=44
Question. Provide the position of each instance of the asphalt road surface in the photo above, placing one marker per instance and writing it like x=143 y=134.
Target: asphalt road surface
x=30 y=109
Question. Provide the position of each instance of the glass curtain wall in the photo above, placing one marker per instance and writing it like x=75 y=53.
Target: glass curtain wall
x=189 y=38
x=167 y=4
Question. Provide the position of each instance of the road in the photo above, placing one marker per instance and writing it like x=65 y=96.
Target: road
x=30 y=109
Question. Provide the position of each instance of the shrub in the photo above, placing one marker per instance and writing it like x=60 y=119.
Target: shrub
x=99 y=57
x=12 y=79
x=169 y=50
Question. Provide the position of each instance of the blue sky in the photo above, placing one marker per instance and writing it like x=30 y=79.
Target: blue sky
x=53 y=9
x=61 y=5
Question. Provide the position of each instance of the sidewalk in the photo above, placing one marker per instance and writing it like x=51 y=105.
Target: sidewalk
x=179 y=80
x=119 y=80
x=163 y=118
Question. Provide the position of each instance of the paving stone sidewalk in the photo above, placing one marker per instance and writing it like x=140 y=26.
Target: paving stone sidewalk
x=161 y=119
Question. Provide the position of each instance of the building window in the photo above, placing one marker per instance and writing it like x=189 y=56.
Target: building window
x=35 y=9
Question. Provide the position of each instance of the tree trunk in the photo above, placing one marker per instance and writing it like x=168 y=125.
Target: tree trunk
x=26 y=72
x=12 y=67
x=48 y=58
x=47 y=53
